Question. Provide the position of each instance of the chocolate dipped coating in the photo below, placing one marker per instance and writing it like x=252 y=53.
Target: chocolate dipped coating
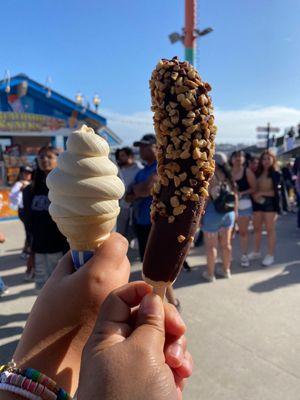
x=185 y=131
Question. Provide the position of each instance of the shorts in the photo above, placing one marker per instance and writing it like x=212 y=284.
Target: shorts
x=246 y=213
x=269 y=205
x=213 y=221
x=245 y=206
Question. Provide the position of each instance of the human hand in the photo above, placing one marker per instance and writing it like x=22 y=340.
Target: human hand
x=133 y=353
x=65 y=312
x=257 y=196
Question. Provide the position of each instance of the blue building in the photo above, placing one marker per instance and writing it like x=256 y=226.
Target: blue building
x=33 y=115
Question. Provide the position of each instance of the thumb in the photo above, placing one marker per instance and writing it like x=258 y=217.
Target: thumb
x=64 y=267
x=108 y=259
x=150 y=322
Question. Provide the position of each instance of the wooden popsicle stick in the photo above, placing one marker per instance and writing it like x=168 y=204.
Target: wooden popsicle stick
x=160 y=291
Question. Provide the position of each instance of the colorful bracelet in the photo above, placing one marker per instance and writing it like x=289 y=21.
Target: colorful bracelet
x=33 y=381
x=29 y=385
x=22 y=392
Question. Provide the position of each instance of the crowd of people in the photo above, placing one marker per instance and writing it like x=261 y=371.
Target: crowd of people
x=246 y=192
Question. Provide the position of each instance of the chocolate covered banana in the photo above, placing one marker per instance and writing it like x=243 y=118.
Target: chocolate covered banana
x=185 y=130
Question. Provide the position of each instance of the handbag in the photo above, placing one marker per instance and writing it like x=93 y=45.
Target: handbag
x=225 y=202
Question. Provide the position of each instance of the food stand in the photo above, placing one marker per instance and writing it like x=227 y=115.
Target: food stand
x=32 y=116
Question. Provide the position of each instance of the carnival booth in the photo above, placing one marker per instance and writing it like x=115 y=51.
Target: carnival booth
x=31 y=116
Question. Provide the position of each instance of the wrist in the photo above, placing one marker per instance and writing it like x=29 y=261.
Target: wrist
x=10 y=396
x=29 y=383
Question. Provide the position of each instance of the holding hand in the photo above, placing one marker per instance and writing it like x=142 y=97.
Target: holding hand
x=135 y=353
x=65 y=312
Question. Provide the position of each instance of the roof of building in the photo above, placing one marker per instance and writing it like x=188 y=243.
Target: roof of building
x=57 y=100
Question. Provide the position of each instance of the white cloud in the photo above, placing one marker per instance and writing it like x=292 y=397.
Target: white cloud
x=234 y=126
x=129 y=127
x=239 y=126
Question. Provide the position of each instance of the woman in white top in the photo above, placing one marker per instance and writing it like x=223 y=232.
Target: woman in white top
x=16 y=198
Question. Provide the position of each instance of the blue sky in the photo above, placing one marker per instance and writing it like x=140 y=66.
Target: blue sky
x=251 y=59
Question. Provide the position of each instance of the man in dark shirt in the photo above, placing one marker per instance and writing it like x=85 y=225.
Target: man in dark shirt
x=140 y=192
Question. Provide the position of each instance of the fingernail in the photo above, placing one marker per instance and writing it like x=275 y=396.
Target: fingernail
x=151 y=304
x=176 y=351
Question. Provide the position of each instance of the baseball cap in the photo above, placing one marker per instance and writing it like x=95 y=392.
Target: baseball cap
x=26 y=169
x=149 y=138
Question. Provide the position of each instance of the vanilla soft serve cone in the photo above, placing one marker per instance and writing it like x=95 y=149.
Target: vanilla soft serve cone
x=84 y=191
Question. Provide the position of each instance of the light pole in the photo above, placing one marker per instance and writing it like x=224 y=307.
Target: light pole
x=267 y=130
x=79 y=98
x=96 y=101
x=190 y=32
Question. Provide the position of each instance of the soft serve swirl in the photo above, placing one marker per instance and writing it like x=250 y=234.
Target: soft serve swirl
x=85 y=182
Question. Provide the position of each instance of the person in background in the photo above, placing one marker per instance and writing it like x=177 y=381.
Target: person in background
x=287 y=175
x=253 y=164
x=128 y=171
x=289 y=185
x=16 y=198
x=3 y=287
x=140 y=195
x=296 y=172
x=246 y=184
x=266 y=205
x=117 y=152
x=219 y=218
x=47 y=243
x=140 y=191
x=297 y=189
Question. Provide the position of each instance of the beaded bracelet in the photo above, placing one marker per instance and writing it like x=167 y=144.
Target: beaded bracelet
x=33 y=381
x=31 y=386
x=22 y=392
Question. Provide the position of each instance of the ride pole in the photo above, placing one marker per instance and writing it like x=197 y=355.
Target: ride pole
x=190 y=26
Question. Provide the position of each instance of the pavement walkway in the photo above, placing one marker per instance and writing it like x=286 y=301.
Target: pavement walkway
x=243 y=333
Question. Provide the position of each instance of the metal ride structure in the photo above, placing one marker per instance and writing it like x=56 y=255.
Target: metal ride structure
x=190 y=32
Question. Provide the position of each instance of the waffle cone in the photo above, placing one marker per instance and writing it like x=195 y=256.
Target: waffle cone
x=87 y=232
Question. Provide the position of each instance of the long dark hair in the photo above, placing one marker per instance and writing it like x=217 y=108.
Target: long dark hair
x=51 y=149
x=225 y=169
x=235 y=153
x=39 y=177
x=274 y=166
x=38 y=180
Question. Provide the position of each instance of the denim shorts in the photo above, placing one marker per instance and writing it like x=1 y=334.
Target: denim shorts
x=245 y=212
x=213 y=221
x=248 y=212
